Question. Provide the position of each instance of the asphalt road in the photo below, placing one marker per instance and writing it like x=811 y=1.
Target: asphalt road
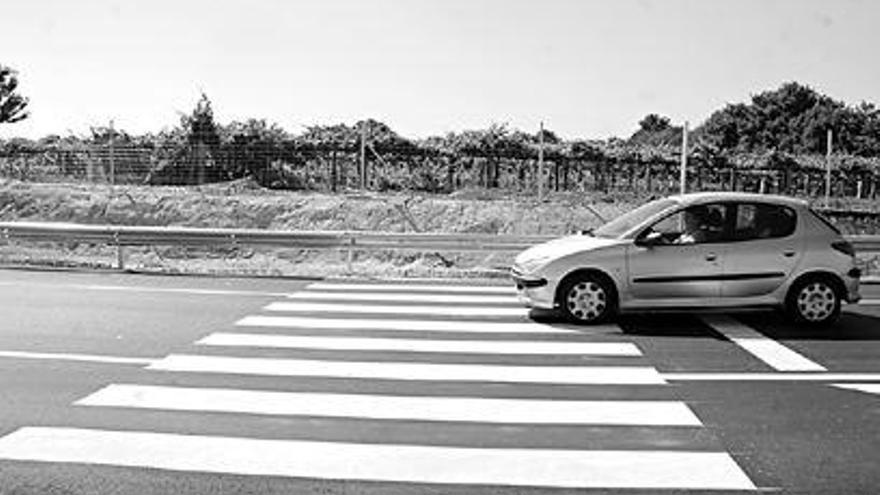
x=113 y=383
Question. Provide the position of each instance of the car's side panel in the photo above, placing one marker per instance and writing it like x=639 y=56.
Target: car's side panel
x=609 y=260
x=819 y=257
x=765 y=247
x=759 y=267
x=675 y=271
x=686 y=303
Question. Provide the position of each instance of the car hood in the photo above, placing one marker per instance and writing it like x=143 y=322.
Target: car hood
x=540 y=254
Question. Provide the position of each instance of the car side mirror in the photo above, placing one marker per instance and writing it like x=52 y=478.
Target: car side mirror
x=649 y=240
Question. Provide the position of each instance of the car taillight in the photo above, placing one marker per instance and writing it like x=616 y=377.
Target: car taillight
x=844 y=247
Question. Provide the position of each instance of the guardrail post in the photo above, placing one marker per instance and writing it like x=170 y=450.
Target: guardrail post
x=120 y=252
x=348 y=267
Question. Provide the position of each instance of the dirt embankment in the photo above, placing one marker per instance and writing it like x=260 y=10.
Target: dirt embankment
x=244 y=205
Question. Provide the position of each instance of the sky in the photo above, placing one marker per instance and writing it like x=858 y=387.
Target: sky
x=585 y=68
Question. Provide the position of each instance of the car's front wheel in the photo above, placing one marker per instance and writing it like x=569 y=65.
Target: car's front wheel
x=814 y=301
x=587 y=299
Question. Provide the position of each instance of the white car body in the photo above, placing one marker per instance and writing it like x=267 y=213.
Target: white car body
x=730 y=272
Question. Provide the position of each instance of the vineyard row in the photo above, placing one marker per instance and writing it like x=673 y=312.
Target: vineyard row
x=332 y=171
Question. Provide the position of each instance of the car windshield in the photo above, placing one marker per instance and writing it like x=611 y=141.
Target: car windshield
x=624 y=223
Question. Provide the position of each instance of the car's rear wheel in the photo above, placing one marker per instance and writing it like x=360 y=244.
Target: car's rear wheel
x=587 y=299
x=814 y=301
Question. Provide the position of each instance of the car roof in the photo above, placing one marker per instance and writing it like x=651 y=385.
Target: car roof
x=720 y=196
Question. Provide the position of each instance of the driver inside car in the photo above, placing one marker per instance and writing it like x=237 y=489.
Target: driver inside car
x=695 y=226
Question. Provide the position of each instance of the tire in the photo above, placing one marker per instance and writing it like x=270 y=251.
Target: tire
x=813 y=301
x=587 y=299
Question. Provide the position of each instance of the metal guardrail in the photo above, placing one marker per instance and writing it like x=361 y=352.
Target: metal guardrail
x=865 y=243
x=141 y=236
x=121 y=236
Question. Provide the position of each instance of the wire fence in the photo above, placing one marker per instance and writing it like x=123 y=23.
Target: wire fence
x=345 y=168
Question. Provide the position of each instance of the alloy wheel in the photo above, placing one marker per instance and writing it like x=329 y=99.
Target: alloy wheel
x=816 y=301
x=587 y=301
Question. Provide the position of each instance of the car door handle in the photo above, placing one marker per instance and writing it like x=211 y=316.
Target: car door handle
x=788 y=254
x=711 y=257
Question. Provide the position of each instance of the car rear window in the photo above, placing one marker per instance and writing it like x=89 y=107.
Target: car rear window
x=763 y=221
x=825 y=221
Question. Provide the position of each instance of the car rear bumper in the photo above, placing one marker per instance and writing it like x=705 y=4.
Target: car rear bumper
x=851 y=280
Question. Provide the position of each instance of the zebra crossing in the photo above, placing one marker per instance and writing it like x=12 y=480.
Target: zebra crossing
x=408 y=383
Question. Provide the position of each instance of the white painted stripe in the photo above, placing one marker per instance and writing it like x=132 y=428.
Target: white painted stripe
x=871 y=388
x=869 y=302
x=774 y=354
x=777 y=355
x=89 y=358
x=410 y=288
x=406 y=298
x=175 y=290
x=171 y=290
x=416 y=325
x=572 y=375
x=772 y=377
x=379 y=462
x=396 y=310
x=421 y=345
x=451 y=409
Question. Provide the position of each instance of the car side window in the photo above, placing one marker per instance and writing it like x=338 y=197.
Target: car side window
x=694 y=225
x=762 y=221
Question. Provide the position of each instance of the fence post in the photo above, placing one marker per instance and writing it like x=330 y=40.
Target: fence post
x=363 y=163
x=828 y=167
x=112 y=155
x=90 y=167
x=682 y=180
x=541 y=163
x=333 y=171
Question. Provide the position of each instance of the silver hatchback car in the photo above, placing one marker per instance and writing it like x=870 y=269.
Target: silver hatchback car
x=700 y=250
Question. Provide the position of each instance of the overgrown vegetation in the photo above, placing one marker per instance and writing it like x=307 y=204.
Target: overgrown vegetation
x=12 y=104
x=775 y=143
x=794 y=119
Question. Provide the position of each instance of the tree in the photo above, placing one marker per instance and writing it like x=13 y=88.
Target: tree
x=253 y=147
x=202 y=128
x=12 y=105
x=203 y=140
x=867 y=143
x=188 y=153
x=654 y=123
x=792 y=119
x=731 y=128
x=656 y=130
